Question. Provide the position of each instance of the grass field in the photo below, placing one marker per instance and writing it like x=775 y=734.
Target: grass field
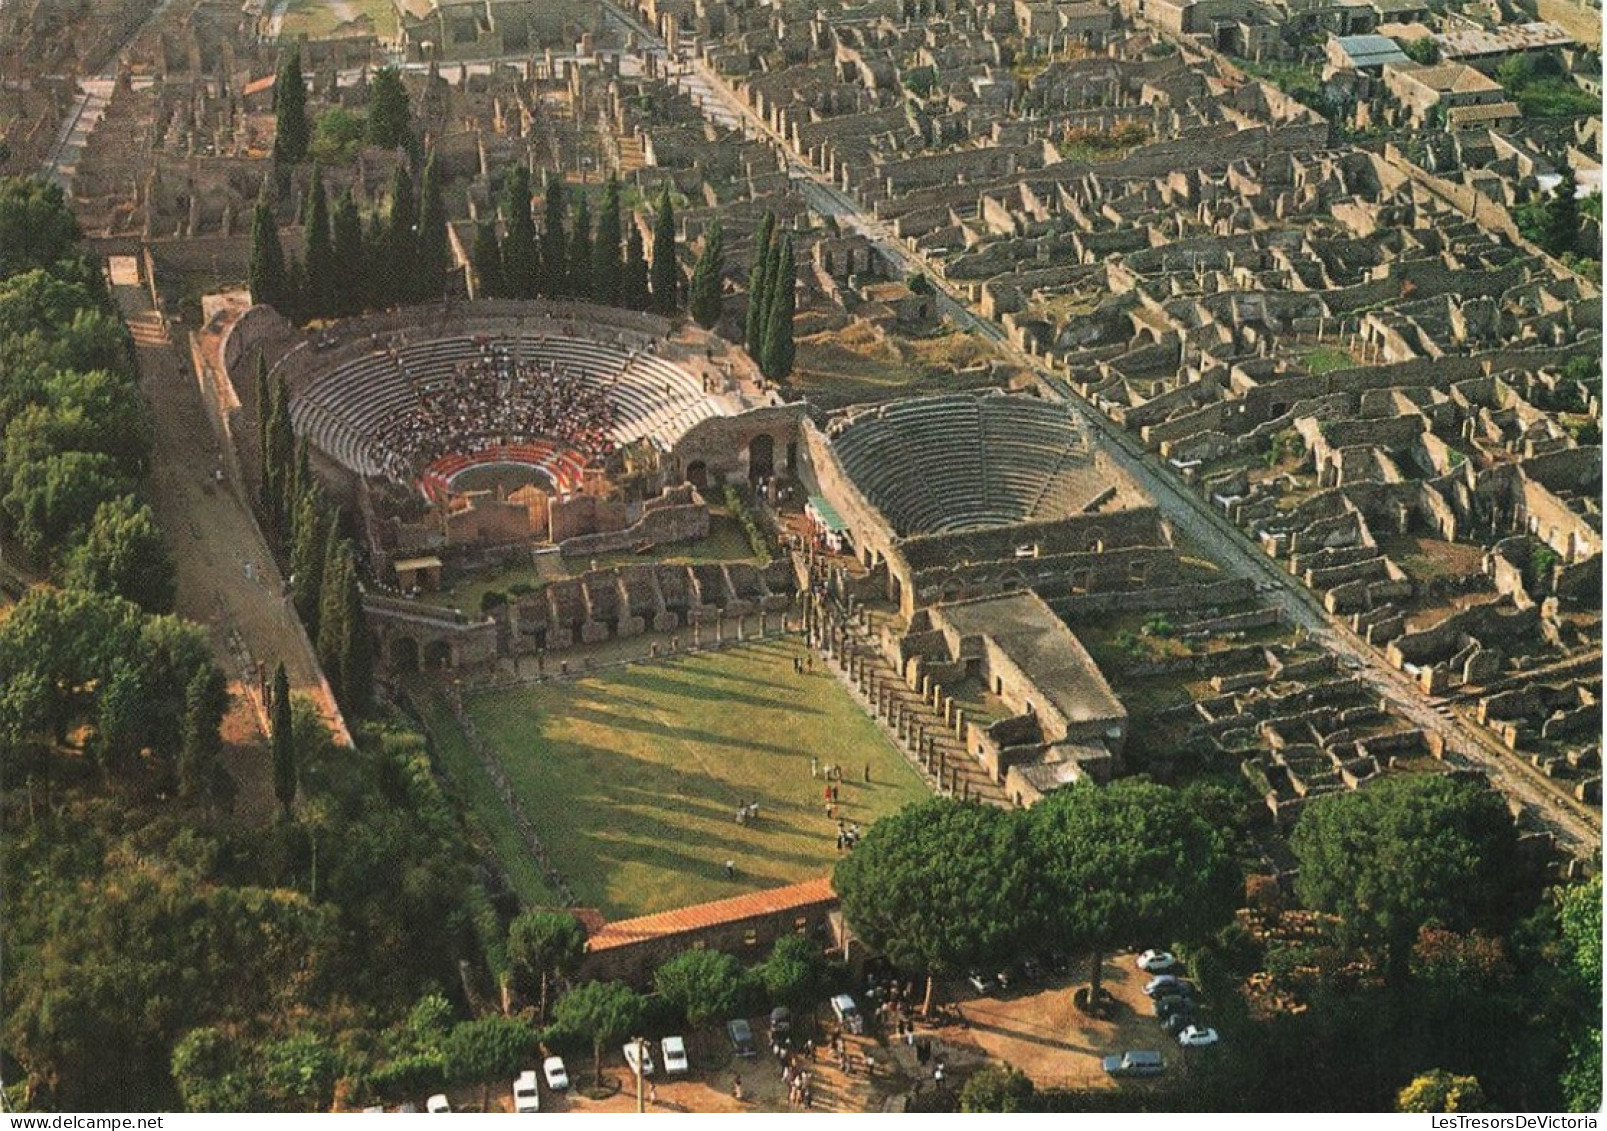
x=633 y=776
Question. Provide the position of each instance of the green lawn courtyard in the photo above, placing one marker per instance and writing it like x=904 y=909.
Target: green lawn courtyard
x=633 y=776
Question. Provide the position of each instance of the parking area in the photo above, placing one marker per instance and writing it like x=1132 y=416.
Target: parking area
x=1039 y=1030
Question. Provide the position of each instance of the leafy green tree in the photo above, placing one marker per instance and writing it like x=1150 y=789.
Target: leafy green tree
x=122 y=717
x=1124 y=862
x=206 y=1071
x=1441 y=1091
x=793 y=972
x=940 y=886
x=997 y=1089
x=206 y=701
x=555 y=240
x=350 y=289
x=283 y=741
x=124 y=553
x=542 y=946
x=521 y=259
x=322 y=270
x=37 y=229
x=292 y=133
x=489 y=1048
x=1406 y=851
x=487 y=257
x=704 y=985
x=390 y=120
x=56 y=645
x=434 y=253
x=703 y=296
x=51 y=503
x=1579 y=922
x=1423 y=50
x=579 y=260
x=666 y=277
x=634 y=295
x=779 y=350
x=337 y=136
x=605 y=1012
x=1559 y=233
x=608 y=263
x=269 y=283
x=758 y=291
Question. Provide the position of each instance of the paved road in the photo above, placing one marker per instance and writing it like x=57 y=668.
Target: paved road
x=1576 y=826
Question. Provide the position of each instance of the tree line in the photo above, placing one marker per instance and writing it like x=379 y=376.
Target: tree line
x=402 y=253
x=321 y=562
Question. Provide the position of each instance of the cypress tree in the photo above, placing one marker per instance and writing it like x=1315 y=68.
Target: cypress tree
x=206 y=699
x=298 y=484
x=281 y=456
x=295 y=304
x=267 y=281
x=580 y=253
x=332 y=606
x=703 y=297
x=778 y=346
x=356 y=655
x=307 y=558
x=521 y=261
x=634 y=284
x=487 y=260
x=758 y=306
x=284 y=744
x=264 y=415
x=555 y=241
x=376 y=262
x=608 y=264
x=319 y=300
x=349 y=291
x=292 y=133
x=401 y=239
x=390 y=121
x=666 y=272
x=434 y=252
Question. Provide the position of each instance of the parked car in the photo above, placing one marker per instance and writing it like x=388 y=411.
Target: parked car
x=1057 y=961
x=645 y=1052
x=741 y=1034
x=1169 y=1005
x=1031 y=970
x=526 y=1093
x=1157 y=961
x=847 y=1013
x=1135 y=1062
x=1174 y=1024
x=438 y=1104
x=1195 y=1037
x=980 y=982
x=1002 y=980
x=1166 y=984
x=675 y=1062
x=557 y=1075
x=780 y=1023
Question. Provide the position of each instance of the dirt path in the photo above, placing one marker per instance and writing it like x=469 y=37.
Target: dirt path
x=227 y=579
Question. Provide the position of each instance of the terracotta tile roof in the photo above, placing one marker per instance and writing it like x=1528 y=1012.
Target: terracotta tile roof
x=703 y=915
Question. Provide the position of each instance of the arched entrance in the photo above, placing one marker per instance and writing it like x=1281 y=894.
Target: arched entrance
x=697 y=474
x=404 y=654
x=762 y=456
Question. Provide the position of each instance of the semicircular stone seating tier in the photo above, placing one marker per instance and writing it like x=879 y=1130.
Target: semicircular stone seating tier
x=347 y=411
x=962 y=462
